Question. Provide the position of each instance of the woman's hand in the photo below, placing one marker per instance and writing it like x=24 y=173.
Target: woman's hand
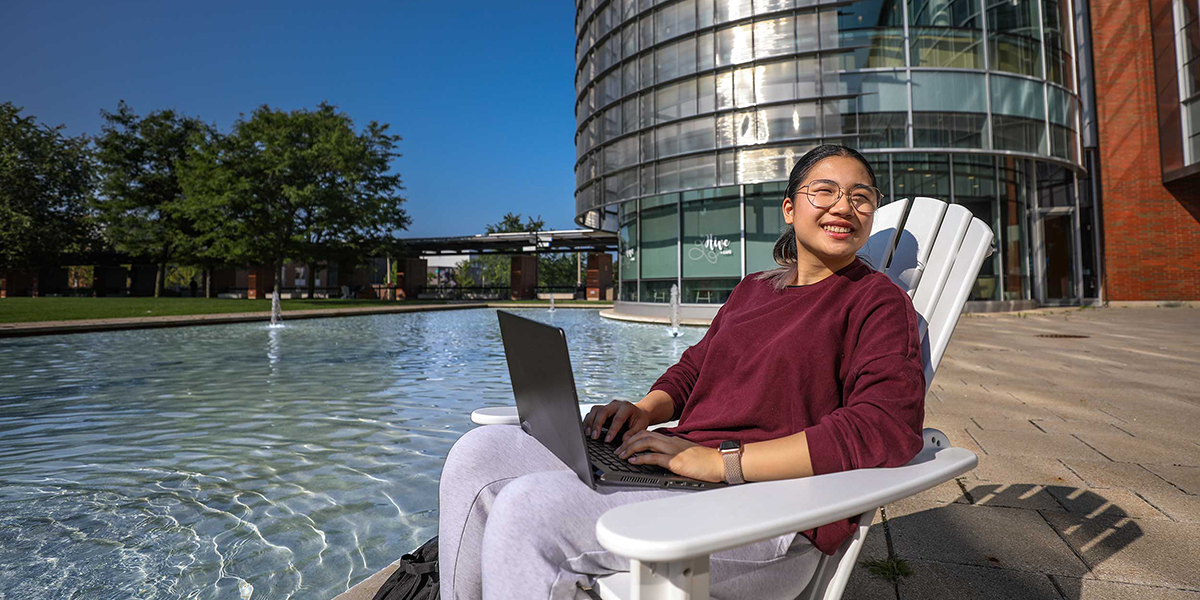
x=622 y=413
x=677 y=455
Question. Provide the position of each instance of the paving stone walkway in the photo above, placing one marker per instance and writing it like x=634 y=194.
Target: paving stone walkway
x=1088 y=485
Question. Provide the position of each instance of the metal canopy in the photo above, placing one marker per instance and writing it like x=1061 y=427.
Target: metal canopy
x=541 y=242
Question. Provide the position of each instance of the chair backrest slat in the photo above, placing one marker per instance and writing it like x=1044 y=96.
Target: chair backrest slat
x=885 y=229
x=942 y=253
x=976 y=246
x=912 y=249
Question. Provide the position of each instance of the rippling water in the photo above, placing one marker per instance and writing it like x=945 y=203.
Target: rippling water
x=197 y=462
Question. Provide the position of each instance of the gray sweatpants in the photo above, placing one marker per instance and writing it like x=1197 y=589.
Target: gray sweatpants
x=515 y=522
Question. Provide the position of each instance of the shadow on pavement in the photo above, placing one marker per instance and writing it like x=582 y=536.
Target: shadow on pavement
x=1008 y=541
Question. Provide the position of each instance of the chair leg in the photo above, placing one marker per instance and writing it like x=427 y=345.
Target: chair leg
x=679 y=580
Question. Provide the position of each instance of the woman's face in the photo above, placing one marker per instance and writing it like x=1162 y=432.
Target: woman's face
x=834 y=234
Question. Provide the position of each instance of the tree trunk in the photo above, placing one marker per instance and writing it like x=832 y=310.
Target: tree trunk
x=160 y=278
x=312 y=279
x=208 y=291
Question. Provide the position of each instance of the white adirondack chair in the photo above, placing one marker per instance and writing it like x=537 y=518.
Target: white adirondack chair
x=935 y=256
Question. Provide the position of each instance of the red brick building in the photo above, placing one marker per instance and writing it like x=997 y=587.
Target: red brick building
x=1149 y=146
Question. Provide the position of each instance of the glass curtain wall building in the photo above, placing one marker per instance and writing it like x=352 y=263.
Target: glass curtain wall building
x=691 y=113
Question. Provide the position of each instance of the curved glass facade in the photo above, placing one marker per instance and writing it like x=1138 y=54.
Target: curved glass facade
x=691 y=113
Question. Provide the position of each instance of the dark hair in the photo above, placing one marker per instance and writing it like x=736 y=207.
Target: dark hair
x=785 y=247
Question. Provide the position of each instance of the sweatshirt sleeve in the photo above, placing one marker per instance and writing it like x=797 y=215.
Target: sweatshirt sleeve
x=679 y=379
x=883 y=398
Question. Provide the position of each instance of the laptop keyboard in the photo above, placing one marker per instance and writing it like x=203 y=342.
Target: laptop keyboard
x=605 y=454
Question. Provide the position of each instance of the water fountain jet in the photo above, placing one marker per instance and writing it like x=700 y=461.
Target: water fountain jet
x=276 y=306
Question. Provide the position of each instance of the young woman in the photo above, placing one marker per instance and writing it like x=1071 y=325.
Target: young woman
x=811 y=368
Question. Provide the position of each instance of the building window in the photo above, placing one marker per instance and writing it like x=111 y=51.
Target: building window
x=921 y=175
x=1063 y=110
x=764 y=223
x=949 y=110
x=712 y=249
x=875 y=31
x=1013 y=38
x=1058 y=55
x=1013 y=198
x=712 y=233
x=659 y=246
x=627 y=238
x=975 y=188
x=1018 y=115
x=945 y=34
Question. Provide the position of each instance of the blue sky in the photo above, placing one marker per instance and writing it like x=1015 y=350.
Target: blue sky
x=483 y=95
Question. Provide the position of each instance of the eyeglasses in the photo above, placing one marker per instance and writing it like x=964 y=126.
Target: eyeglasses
x=823 y=193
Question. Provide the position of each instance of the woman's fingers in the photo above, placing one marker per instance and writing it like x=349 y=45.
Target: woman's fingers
x=599 y=415
x=652 y=458
x=589 y=419
x=595 y=420
x=624 y=414
x=642 y=441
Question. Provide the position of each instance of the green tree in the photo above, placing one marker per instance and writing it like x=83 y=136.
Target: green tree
x=511 y=223
x=302 y=185
x=462 y=274
x=140 y=190
x=212 y=238
x=557 y=269
x=46 y=183
x=497 y=268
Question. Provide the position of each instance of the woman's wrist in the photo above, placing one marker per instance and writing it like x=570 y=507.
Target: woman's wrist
x=719 y=464
x=658 y=406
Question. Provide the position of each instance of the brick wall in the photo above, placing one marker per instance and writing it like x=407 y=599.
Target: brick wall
x=1151 y=233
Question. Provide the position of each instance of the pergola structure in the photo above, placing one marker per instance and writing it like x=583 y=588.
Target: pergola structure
x=524 y=248
x=525 y=242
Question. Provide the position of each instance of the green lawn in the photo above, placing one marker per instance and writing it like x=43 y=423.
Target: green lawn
x=27 y=310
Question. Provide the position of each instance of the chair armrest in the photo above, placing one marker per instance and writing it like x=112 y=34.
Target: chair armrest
x=700 y=523
x=495 y=415
x=507 y=415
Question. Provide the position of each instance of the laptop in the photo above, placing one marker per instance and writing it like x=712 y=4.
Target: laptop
x=548 y=406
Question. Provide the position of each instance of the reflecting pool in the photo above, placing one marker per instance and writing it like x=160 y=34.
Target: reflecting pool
x=198 y=462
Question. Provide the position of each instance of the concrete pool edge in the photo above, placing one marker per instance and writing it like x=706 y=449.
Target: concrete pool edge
x=616 y=316
x=29 y=329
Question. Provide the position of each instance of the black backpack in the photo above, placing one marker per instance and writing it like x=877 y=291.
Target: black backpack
x=417 y=577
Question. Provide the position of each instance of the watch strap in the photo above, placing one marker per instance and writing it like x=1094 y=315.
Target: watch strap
x=733 y=465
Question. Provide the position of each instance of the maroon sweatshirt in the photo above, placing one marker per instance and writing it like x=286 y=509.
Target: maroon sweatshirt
x=839 y=359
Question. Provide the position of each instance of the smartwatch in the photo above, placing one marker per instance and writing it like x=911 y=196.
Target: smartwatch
x=731 y=453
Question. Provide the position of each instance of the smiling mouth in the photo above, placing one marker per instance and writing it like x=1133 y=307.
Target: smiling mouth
x=836 y=229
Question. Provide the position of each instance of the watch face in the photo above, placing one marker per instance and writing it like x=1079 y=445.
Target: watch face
x=730 y=445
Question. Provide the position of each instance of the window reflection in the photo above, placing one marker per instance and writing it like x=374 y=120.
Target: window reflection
x=975 y=188
x=946 y=33
x=1013 y=39
x=764 y=222
x=659 y=239
x=948 y=129
x=711 y=240
x=1057 y=40
x=875 y=32
x=949 y=110
x=1018 y=115
x=735 y=45
x=1012 y=198
x=1018 y=133
x=921 y=175
x=628 y=247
